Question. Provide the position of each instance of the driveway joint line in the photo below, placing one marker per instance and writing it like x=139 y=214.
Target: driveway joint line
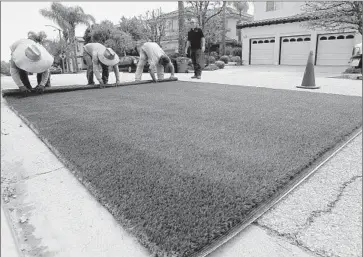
x=330 y=206
x=289 y=237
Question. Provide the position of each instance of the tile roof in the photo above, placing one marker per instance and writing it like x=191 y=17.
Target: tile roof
x=280 y=20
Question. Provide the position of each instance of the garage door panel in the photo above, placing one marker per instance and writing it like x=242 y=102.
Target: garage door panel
x=262 y=50
x=295 y=50
x=335 y=49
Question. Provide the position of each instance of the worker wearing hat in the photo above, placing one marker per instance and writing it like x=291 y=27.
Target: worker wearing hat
x=158 y=60
x=98 y=57
x=29 y=56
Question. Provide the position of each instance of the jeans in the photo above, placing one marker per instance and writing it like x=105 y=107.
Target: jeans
x=141 y=64
x=25 y=79
x=89 y=74
x=196 y=56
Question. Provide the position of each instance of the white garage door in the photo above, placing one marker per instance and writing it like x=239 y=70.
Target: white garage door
x=295 y=50
x=335 y=49
x=262 y=50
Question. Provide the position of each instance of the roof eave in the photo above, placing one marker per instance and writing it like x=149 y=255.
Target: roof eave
x=272 y=22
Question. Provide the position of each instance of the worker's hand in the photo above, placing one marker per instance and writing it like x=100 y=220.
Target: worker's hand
x=39 y=89
x=24 y=90
x=203 y=49
x=102 y=85
x=186 y=51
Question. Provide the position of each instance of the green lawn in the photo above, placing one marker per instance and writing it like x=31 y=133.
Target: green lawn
x=179 y=164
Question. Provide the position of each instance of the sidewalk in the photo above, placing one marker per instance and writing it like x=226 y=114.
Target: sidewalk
x=53 y=214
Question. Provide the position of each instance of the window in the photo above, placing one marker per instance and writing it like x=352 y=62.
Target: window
x=260 y=41
x=273 y=6
x=331 y=38
x=254 y=42
x=307 y=39
x=266 y=41
x=299 y=40
x=323 y=38
x=350 y=36
x=292 y=40
x=340 y=37
x=285 y=40
x=272 y=41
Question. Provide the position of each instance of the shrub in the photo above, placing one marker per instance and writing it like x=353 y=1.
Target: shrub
x=236 y=59
x=224 y=59
x=211 y=59
x=229 y=50
x=214 y=54
x=5 y=68
x=211 y=67
x=353 y=70
x=220 y=64
x=237 y=51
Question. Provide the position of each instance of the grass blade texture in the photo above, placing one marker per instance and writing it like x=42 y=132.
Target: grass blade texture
x=179 y=164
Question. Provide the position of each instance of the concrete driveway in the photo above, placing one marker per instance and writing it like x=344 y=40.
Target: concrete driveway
x=282 y=77
x=321 y=217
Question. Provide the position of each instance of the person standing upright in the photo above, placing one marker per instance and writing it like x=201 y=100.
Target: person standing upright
x=196 y=42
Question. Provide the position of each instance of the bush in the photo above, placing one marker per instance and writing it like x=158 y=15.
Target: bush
x=211 y=67
x=224 y=59
x=236 y=59
x=220 y=64
x=211 y=59
x=214 y=54
x=5 y=68
x=353 y=70
x=237 y=51
x=229 y=50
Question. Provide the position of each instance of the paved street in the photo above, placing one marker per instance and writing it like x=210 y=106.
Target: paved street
x=322 y=217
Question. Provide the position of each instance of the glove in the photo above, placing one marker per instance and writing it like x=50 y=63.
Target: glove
x=24 y=90
x=39 y=89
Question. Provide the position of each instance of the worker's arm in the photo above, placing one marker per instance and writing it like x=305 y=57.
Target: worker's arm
x=117 y=74
x=186 y=48
x=45 y=77
x=171 y=67
x=152 y=71
x=203 y=44
x=14 y=72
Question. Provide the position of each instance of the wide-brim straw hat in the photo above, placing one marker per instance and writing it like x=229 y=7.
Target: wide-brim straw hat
x=107 y=56
x=32 y=57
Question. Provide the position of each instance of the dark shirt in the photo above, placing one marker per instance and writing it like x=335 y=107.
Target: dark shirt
x=195 y=36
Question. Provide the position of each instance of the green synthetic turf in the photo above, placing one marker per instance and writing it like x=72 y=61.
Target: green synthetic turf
x=179 y=164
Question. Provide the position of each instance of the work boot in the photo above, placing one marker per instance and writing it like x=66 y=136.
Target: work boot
x=199 y=77
x=194 y=77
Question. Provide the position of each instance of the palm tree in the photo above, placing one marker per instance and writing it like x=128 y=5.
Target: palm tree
x=222 y=51
x=181 y=20
x=68 y=18
x=241 y=7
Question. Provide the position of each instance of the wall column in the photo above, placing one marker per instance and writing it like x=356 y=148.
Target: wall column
x=277 y=49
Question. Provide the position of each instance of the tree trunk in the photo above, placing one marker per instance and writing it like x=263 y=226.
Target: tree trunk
x=223 y=44
x=181 y=21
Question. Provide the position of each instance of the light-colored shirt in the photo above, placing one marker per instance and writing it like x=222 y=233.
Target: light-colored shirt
x=92 y=49
x=153 y=52
x=14 y=70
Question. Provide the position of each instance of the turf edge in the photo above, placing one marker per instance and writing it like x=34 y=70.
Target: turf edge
x=306 y=172
x=59 y=89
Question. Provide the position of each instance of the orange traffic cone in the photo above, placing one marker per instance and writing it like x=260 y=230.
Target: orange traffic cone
x=309 y=76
